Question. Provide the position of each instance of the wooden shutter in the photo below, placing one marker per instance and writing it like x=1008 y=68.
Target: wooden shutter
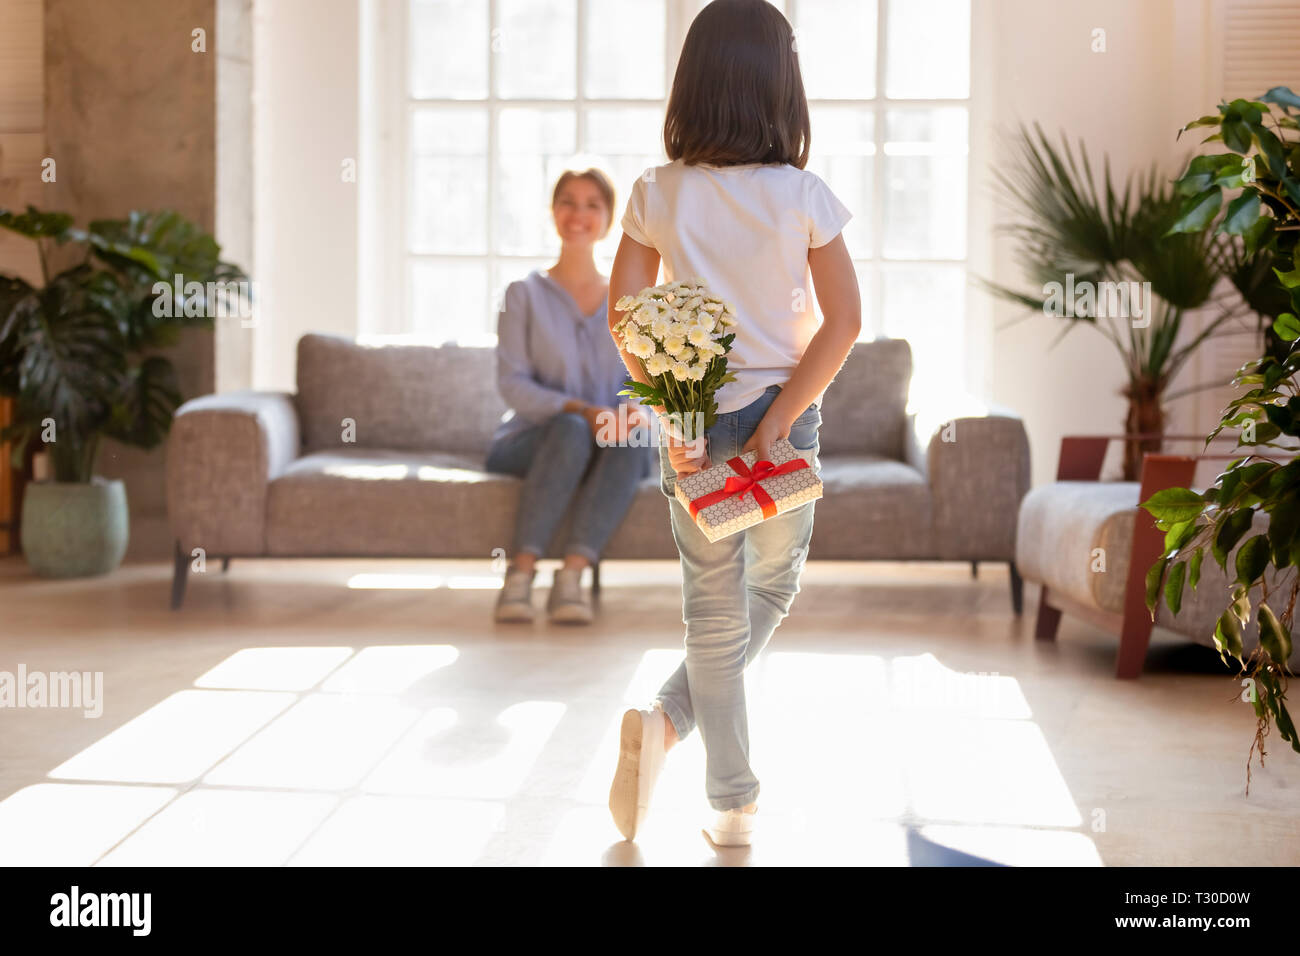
x=1261 y=47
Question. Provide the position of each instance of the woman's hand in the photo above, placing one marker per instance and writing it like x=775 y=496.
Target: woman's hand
x=605 y=421
x=637 y=417
x=597 y=416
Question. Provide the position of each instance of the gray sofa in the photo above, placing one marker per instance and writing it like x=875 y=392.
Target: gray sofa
x=261 y=474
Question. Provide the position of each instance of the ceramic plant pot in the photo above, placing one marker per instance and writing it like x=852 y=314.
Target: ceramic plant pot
x=74 y=529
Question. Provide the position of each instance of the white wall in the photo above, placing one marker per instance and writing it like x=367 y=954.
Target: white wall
x=306 y=64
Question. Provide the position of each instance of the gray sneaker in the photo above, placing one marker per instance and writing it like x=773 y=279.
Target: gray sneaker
x=568 y=604
x=514 y=603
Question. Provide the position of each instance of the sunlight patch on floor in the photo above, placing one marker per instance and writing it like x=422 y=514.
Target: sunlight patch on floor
x=403 y=831
x=225 y=828
x=425 y=582
x=330 y=755
x=178 y=739
x=63 y=824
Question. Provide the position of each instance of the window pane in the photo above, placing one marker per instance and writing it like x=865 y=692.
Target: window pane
x=449 y=48
x=929 y=49
x=609 y=23
x=862 y=269
x=836 y=42
x=449 y=302
x=925 y=183
x=927 y=306
x=843 y=148
x=625 y=140
x=535 y=48
x=448 y=185
x=506 y=271
x=534 y=147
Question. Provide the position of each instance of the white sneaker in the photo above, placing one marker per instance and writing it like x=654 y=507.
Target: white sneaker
x=568 y=603
x=514 y=603
x=640 y=760
x=732 y=827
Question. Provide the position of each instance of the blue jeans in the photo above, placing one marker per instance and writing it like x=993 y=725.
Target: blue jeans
x=560 y=464
x=735 y=591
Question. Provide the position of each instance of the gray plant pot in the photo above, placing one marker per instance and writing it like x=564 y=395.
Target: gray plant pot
x=75 y=530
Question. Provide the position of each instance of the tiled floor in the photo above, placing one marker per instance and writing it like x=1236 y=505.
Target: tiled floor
x=338 y=712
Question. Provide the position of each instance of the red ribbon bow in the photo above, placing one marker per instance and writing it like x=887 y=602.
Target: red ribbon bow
x=745 y=481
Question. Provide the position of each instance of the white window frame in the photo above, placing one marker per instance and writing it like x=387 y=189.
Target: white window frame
x=385 y=167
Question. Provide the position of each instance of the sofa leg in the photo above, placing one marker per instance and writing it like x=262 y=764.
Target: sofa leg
x=1049 y=618
x=180 y=573
x=974 y=569
x=595 y=579
x=1017 y=589
x=225 y=565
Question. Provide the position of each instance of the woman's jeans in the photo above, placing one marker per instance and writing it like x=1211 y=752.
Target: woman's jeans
x=556 y=460
x=735 y=591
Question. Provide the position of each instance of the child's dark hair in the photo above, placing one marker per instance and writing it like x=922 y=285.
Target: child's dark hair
x=738 y=96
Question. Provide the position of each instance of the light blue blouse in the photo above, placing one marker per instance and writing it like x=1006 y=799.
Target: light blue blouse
x=548 y=352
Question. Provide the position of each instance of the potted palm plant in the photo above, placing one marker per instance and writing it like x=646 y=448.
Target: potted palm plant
x=79 y=357
x=1071 y=233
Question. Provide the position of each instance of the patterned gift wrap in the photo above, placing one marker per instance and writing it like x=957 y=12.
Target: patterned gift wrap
x=743 y=491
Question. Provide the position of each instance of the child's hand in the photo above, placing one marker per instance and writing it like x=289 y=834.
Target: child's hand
x=688 y=457
x=765 y=434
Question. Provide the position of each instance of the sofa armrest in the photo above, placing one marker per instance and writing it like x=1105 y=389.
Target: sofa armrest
x=978 y=470
x=223 y=452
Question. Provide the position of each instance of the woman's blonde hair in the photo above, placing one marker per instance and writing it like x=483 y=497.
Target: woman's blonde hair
x=601 y=182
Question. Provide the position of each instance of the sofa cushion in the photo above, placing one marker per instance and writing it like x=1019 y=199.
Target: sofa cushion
x=873 y=508
x=388 y=502
x=412 y=397
x=1059 y=529
x=865 y=408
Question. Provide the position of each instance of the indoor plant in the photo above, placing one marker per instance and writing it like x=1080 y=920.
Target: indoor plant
x=78 y=354
x=1264 y=164
x=1073 y=234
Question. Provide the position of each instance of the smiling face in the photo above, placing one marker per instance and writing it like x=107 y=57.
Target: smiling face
x=581 y=215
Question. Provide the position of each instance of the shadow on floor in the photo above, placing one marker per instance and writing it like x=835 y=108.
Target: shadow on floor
x=923 y=852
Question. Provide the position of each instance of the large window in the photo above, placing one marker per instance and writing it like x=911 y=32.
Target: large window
x=498 y=96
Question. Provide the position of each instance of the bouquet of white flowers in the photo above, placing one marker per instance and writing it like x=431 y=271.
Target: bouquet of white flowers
x=677 y=331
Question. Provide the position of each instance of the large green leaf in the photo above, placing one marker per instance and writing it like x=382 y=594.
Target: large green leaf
x=1242 y=213
x=143 y=412
x=1227 y=635
x=1232 y=527
x=1287 y=327
x=1273 y=637
x=1252 y=559
x=1198 y=211
x=1174 y=505
x=1174 y=586
x=1282 y=96
x=35 y=224
x=71 y=357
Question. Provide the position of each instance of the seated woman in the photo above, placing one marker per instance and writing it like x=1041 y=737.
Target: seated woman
x=560 y=373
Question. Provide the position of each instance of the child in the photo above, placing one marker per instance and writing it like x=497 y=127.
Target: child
x=735 y=207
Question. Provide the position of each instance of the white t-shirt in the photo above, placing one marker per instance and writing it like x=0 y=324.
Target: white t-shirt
x=746 y=230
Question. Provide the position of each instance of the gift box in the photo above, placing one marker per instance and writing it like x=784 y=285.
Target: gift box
x=743 y=491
